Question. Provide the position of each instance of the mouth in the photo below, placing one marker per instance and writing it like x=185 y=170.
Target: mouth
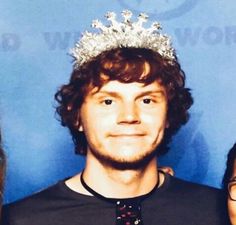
x=127 y=135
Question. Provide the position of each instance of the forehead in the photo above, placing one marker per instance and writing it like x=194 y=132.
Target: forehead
x=128 y=88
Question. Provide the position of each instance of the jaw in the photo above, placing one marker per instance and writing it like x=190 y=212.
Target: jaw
x=135 y=161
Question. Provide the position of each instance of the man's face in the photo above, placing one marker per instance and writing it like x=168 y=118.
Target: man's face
x=231 y=203
x=124 y=122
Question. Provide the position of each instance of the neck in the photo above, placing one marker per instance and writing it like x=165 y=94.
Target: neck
x=114 y=183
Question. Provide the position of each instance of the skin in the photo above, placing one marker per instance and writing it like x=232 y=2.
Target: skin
x=232 y=204
x=167 y=169
x=123 y=124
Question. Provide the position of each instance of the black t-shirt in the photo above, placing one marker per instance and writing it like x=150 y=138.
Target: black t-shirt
x=176 y=202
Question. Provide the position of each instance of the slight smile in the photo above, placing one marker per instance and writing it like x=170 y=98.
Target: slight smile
x=127 y=135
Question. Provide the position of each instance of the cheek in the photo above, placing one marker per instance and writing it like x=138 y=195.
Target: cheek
x=155 y=119
x=95 y=124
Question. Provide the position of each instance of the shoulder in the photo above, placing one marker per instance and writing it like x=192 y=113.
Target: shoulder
x=179 y=184
x=188 y=191
x=39 y=197
x=49 y=206
x=195 y=199
x=35 y=203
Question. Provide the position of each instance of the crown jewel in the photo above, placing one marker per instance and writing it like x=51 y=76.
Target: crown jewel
x=122 y=34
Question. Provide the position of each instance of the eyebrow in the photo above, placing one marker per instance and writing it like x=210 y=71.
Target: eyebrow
x=115 y=94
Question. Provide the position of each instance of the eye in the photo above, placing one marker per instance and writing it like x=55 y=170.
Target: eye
x=108 y=101
x=147 y=100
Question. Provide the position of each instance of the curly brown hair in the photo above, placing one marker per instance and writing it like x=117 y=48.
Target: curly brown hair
x=125 y=65
x=231 y=157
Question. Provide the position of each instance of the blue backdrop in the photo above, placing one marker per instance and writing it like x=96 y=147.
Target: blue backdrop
x=35 y=37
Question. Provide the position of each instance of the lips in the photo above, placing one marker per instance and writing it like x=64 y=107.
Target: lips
x=127 y=135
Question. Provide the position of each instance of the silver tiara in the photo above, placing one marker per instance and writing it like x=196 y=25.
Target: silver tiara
x=122 y=34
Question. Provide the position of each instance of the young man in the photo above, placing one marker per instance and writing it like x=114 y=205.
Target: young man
x=125 y=99
x=229 y=183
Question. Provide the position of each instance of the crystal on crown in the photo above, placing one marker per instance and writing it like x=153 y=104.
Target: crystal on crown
x=122 y=34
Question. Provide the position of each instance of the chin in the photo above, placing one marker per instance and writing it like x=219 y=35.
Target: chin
x=125 y=162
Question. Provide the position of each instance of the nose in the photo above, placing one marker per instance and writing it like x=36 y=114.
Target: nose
x=128 y=114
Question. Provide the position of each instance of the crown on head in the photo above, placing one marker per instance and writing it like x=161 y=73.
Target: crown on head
x=123 y=34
